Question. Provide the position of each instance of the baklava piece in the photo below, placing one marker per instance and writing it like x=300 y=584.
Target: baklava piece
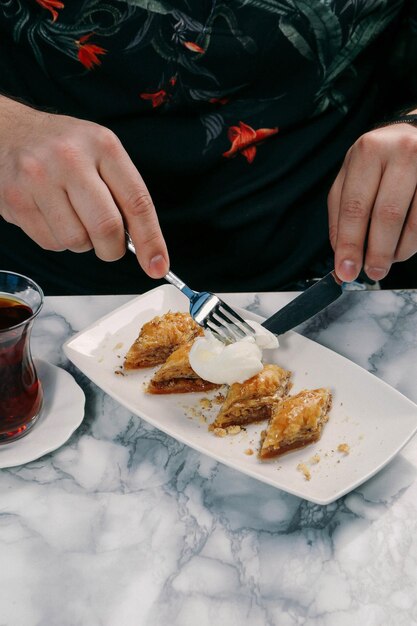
x=252 y=401
x=177 y=376
x=296 y=422
x=159 y=338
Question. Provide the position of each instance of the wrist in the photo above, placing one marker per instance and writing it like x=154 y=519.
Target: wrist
x=10 y=107
x=20 y=124
x=11 y=104
x=410 y=118
x=400 y=117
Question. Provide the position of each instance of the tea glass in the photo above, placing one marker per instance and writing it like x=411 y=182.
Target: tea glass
x=21 y=393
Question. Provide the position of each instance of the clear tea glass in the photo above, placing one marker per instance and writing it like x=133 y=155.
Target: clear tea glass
x=21 y=395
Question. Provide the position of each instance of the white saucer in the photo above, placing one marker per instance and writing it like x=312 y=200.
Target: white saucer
x=62 y=413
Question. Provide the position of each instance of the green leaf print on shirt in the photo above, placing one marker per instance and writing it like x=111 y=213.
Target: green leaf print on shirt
x=153 y=6
x=322 y=42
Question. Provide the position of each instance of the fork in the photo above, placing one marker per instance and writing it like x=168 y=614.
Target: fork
x=208 y=310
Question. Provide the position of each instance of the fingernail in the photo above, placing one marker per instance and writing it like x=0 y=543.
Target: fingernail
x=376 y=273
x=157 y=266
x=348 y=269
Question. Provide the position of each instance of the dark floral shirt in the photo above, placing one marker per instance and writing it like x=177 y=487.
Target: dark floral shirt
x=237 y=113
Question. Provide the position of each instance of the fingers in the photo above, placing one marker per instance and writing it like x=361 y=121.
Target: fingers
x=78 y=205
x=19 y=208
x=395 y=195
x=98 y=215
x=138 y=211
x=62 y=220
x=333 y=204
x=77 y=219
x=372 y=204
x=36 y=227
x=407 y=245
x=350 y=206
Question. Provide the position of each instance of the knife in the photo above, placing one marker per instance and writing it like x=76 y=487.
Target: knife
x=311 y=301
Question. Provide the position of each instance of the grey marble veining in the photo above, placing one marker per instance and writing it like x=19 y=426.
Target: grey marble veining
x=124 y=526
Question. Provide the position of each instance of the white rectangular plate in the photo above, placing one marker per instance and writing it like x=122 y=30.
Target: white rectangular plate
x=374 y=419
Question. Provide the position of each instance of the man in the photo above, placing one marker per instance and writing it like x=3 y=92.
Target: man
x=223 y=124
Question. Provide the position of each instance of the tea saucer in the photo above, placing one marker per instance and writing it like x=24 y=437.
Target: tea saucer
x=62 y=413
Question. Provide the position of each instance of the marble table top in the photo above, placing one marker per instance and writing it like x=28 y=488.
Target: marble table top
x=124 y=526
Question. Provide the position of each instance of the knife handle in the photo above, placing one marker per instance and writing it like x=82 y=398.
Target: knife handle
x=307 y=304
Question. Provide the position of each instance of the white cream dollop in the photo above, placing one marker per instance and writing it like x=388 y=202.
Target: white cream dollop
x=219 y=363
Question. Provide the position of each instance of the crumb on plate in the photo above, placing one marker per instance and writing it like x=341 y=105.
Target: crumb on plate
x=302 y=467
x=343 y=447
x=229 y=430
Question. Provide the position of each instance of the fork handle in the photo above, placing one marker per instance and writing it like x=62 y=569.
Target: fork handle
x=179 y=284
x=170 y=277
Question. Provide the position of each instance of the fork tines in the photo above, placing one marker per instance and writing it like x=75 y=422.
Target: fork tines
x=228 y=324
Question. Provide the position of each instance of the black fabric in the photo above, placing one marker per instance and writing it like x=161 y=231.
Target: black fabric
x=178 y=83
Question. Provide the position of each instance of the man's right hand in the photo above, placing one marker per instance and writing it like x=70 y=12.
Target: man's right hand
x=70 y=185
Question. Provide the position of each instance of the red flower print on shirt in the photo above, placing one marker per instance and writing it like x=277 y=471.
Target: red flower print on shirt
x=88 y=52
x=244 y=140
x=224 y=100
x=157 y=98
x=161 y=96
x=190 y=45
x=51 y=5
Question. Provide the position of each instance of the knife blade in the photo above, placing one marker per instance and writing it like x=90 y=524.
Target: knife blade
x=311 y=301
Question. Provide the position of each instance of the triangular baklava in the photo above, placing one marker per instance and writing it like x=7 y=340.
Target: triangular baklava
x=252 y=400
x=296 y=422
x=159 y=337
x=177 y=376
